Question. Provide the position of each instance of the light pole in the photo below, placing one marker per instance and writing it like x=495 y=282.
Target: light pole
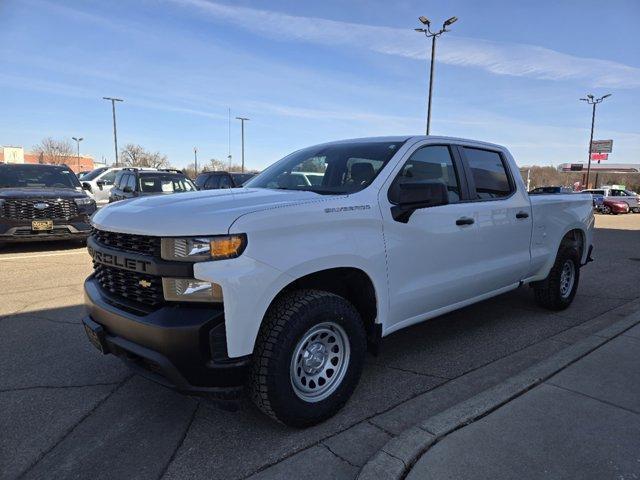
x=115 y=131
x=195 y=159
x=242 y=120
x=433 y=35
x=78 y=140
x=591 y=100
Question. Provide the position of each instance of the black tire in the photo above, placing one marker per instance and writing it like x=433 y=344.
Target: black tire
x=606 y=210
x=549 y=292
x=286 y=323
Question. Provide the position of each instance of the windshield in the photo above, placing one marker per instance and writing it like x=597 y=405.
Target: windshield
x=158 y=183
x=328 y=169
x=35 y=176
x=94 y=173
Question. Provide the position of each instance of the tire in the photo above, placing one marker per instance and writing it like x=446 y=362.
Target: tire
x=635 y=209
x=606 y=209
x=276 y=385
x=553 y=293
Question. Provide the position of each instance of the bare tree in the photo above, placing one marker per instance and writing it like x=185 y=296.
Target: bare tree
x=54 y=151
x=136 y=156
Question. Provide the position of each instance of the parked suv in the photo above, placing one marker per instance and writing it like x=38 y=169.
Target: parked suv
x=215 y=180
x=42 y=202
x=133 y=182
x=618 y=195
x=547 y=190
x=99 y=182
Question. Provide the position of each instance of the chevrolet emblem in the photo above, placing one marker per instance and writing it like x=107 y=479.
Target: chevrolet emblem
x=144 y=283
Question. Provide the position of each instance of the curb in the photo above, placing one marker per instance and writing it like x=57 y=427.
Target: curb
x=399 y=454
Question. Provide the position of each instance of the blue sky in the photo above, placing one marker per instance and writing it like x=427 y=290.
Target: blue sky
x=308 y=72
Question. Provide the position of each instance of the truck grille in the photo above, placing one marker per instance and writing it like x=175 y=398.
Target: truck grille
x=50 y=209
x=126 y=242
x=133 y=286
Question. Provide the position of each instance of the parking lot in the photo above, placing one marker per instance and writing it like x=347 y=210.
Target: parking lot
x=68 y=412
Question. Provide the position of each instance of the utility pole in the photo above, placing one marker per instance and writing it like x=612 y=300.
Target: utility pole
x=78 y=140
x=242 y=120
x=591 y=100
x=432 y=35
x=195 y=159
x=115 y=131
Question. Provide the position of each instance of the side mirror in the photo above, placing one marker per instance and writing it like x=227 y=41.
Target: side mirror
x=100 y=184
x=86 y=186
x=414 y=196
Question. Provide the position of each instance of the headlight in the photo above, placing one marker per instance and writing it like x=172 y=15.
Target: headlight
x=200 y=249
x=190 y=290
x=83 y=201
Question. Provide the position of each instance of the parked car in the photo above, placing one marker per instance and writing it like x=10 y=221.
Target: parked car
x=618 y=194
x=134 y=182
x=217 y=180
x=540 y=190
x=100 y=181
x=42 y=202
x=282 y=288
x=598 y=201
x=614 y=206
x=82 y=174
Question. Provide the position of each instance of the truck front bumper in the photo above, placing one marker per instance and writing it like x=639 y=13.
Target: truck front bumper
x=182 y=346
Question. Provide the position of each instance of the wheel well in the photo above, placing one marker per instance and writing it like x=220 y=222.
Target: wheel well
x=350 y=283
x=574 y=238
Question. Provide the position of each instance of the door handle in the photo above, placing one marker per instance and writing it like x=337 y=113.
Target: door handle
x=465 y=221
x=522 y=215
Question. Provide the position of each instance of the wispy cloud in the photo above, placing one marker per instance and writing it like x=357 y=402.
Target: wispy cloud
x=499 y=58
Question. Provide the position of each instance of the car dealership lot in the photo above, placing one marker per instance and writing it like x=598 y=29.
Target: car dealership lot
x=65 y=411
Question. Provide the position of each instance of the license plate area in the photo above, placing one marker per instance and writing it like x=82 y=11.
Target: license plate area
x=41 y=225
x=95 y=334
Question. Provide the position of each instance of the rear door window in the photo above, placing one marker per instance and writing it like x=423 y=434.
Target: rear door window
x=489 y=173
x=212 y=182
x=225 y=182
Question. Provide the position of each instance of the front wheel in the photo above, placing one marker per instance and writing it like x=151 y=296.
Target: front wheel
x=557 y=291
x=308 y=358
x=605 y=209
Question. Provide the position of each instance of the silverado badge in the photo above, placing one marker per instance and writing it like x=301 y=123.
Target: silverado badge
x=144 y=283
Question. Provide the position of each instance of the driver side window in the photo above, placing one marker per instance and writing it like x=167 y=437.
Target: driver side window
x=432 y=167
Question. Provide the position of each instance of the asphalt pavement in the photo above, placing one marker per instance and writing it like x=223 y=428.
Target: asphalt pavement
x=68 y=412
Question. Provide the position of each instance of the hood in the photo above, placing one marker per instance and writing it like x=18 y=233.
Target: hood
x=38 y=193
x=206 y=212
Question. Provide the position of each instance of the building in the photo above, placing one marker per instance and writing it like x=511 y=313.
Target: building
x=9 y=154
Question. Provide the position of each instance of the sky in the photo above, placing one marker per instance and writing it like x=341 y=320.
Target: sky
x=309 y=72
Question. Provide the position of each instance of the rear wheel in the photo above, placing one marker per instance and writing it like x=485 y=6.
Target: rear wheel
x=557 y=291
x=635 y=209
x=308 y=359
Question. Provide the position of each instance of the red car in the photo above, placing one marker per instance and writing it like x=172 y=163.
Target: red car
x=614 y=207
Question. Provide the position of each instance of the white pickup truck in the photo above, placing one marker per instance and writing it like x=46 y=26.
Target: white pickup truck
x=281 y=286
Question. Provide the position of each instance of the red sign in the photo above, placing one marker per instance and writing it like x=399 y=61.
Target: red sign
x=599 y=156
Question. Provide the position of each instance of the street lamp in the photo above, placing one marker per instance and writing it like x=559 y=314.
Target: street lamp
x=433 y=35
x=195 y=159
x=78 y=140
x=115 y=134
x=591 y=100
x=242 y=120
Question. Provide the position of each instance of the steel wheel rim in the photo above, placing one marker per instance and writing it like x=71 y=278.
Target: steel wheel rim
x=319 y=362
x=567 y=278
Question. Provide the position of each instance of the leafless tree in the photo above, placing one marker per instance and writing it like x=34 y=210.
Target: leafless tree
x=54 y=151
x=135 y=156
x=547 y=176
